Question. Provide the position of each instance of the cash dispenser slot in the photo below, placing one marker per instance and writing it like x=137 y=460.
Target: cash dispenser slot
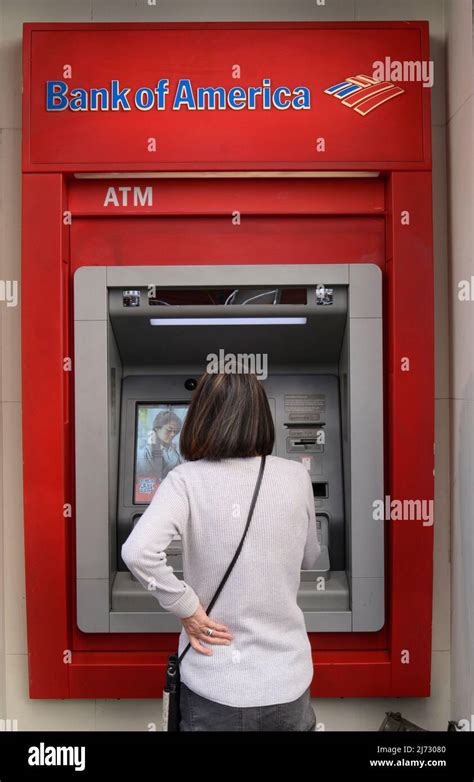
x=320 y=489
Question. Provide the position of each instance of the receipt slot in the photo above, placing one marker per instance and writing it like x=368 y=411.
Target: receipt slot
x=324 y=382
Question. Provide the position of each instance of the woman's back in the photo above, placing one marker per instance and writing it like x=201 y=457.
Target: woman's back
x=253 y=649
x=269 y=659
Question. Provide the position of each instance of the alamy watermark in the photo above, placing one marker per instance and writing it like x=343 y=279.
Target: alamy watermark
x=45 y=755
x=238 y=363
x=403 y=510
x=9 y=292
x=404 y=70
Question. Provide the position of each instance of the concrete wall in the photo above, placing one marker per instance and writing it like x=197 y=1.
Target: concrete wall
x=337 y=714
x=461 y=397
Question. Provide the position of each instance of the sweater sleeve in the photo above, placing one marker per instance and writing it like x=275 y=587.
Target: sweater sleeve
x=144 y=550
x=312 y=548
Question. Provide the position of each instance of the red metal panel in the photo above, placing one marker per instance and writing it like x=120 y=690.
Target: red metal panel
x=141 y=675
x=314 y=55
x=279 y=196
x=47 y=531
x=350 y=674
x=207 y=240
x=411 y=430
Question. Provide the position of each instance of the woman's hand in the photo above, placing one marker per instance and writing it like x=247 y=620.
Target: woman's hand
x=196 y=626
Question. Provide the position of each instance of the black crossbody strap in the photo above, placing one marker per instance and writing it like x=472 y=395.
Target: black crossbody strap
x=239 y=548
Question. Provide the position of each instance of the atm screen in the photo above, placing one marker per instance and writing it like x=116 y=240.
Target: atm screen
x=157 y=432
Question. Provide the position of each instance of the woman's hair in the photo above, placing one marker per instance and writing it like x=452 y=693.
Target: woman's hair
x=229 y=416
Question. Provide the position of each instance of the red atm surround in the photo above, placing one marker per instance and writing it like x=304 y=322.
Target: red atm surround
x=381 y=213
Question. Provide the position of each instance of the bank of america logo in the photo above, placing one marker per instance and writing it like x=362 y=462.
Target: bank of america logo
x=364 y=93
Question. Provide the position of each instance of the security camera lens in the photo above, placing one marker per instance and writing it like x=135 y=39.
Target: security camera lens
x=190 y=384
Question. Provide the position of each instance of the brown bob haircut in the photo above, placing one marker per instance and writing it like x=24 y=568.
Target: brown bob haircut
x=229 y=416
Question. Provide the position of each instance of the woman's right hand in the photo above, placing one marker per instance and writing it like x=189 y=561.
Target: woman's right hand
x=196 y=626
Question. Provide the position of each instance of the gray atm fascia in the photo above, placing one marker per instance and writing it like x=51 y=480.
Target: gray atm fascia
x=96 y=434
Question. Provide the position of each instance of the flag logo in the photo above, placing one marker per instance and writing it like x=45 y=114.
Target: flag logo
x=364 y=93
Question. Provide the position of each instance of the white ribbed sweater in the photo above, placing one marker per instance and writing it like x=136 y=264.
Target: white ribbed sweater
x=207 y=503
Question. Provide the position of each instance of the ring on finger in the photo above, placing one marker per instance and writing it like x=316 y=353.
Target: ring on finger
x=208 y=631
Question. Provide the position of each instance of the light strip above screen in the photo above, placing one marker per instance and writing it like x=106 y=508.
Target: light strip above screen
x=228 y=321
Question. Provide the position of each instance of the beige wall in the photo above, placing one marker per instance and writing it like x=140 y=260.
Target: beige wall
x=337 y=714
x=461 y=217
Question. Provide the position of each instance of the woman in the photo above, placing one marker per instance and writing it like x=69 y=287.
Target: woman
x=253 y=671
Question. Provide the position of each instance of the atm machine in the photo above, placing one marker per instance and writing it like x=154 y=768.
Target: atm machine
x=169 y=234
x=144 y=335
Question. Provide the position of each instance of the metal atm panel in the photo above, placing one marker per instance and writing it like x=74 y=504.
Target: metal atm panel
x=320 y=380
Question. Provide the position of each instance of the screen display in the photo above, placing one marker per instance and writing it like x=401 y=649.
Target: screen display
x=157 y=432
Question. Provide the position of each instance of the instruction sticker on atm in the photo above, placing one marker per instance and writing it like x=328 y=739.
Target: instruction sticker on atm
x=304 y=408
x=157 y=452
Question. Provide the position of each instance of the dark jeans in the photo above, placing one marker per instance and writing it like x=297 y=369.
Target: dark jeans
x=198 y=713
